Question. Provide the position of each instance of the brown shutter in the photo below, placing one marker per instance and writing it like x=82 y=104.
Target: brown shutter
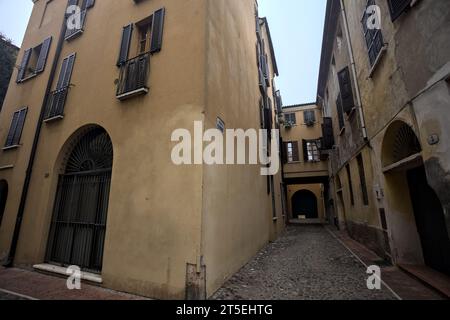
x=284 y=153
x=125 y=44
x=23 y=65
x=346 y=90
x=305 y=150
x=279 y=102
x=397 y=7
x=327 y=134
x=157 y=30
x=42 y=60
x=295 y=152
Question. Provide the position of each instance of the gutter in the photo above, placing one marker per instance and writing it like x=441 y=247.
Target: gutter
x=12 y=252
x=353 y=67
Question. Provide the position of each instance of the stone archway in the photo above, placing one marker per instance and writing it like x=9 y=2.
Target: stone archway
x=78 y=226
x=416 y=218
x=305 y=203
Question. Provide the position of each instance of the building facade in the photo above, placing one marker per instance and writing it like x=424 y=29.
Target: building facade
x=384 y=85
x=305 y=170
x=86 y=173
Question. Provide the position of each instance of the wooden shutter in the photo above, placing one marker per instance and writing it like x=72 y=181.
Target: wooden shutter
x=279 y=102
x=397 y=7
x=125 y=44
x=70 y=3
x=89 y=4
x=23 y=65
x=20 y=125
x=157 y=30
x=284 y=153
x=66 y=72
x=15 y=131
x=340 y=112
x=346 y=90
x=305 y=150
x=12 y=129
x=327 y=134
x=295 y=151
x=42 y=60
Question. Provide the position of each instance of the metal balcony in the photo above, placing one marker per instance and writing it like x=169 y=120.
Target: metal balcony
x=133 y=77
x=55 y=104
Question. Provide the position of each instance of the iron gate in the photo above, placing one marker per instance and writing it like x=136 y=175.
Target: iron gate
x=78 y=226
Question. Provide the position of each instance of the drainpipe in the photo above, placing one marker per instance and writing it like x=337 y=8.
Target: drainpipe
x=353 y=67
x=12 y=252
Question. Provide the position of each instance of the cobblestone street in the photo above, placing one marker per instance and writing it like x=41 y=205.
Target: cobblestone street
x=306 y=263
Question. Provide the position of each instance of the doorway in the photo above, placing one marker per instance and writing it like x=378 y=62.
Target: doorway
x=430 y=221
x=78 y=225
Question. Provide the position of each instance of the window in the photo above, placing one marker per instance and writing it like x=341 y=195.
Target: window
x=292 y=151
x=311 y=150
x=397 y=7
x=15 y=131
x=350 y=184
x=362 y=177
x=34 y=61
x=57 y=99
x=290 y=118
x=345 y=86
x=374 y=37
x=340 y=113
x=134 y=71
x=327 y=134
x=309 y=117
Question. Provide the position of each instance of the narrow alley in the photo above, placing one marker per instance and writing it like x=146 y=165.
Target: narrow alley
x=306 y=263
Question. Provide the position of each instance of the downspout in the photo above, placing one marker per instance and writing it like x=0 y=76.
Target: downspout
x=20 y=213
x=353 y=67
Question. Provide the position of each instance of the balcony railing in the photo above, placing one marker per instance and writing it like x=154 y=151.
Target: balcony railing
x=133 y=77
x=55 y=104
x=75 y=32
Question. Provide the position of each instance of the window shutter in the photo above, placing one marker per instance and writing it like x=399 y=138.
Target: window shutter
x=23 y=65
x=12 y=129
x=305 y=150
x=284 y=153
x=279 y=102
x=66 y=72
x=20 y=125
x=340 y=112
x=157 y=30
x=70 y=3
x=295 y=152
x=42 y=60
x=89 y=3
x=125 y=44
x=346 y=90
x=327 y=134
x=397 y=7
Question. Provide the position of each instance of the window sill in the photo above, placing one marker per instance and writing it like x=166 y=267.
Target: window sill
x=131 y=94
x=351 y=114
x=90 y=277
x=377 y=61
x=53 y=119
x=342 y=131
x=275 y=219
x=28 y=78
x=16 y=146
x=10 y=166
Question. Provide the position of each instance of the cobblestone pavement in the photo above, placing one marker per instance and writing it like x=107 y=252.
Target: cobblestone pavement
x=306 y=263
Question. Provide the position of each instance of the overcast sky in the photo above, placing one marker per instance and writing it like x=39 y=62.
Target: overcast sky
x=296 y=27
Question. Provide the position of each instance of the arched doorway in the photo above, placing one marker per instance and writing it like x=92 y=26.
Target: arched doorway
x=78 y=225
x=3 y=198
x=418 y=221
x=304 y=203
